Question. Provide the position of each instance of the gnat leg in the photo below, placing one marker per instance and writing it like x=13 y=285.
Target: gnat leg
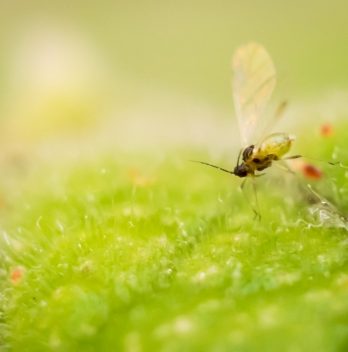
x=333 y=163
x=242 y=185
x=292 y=157
x=255 y=208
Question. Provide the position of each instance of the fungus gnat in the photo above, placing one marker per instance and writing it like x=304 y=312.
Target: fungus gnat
x=254 y=78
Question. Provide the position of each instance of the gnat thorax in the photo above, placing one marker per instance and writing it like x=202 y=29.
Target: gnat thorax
x=247 y=152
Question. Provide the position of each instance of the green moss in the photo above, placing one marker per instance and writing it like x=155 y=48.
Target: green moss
x=177 y=264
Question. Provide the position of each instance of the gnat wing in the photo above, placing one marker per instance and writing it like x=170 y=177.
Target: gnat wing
x=254 y=78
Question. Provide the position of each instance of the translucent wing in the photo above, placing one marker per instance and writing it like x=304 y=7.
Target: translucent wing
x=254 y=78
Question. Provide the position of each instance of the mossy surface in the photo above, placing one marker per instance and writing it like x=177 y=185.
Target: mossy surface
x=144 y=253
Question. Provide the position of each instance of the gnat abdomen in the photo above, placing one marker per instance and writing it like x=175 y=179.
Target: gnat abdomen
x=277 y=144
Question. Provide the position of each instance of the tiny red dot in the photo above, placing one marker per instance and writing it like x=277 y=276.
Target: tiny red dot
x=326 y=130
x=312 y=172
x=16 y=275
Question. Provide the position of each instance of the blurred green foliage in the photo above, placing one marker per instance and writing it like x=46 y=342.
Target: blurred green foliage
x=185 y=46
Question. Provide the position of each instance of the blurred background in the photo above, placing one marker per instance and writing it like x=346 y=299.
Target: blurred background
x=129 y=74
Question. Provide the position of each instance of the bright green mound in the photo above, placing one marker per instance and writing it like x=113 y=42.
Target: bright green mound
x=178 y=264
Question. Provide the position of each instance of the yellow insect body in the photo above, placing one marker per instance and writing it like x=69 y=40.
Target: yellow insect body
x=258 y=158
x=277 y=144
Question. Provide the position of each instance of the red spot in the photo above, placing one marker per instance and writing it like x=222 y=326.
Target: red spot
x=16 y=275
x=326 y=130
x=311 y=172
